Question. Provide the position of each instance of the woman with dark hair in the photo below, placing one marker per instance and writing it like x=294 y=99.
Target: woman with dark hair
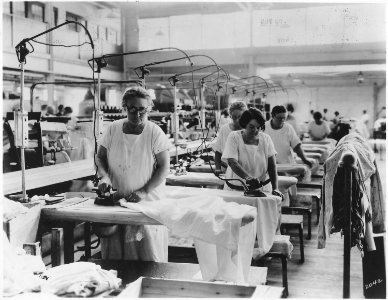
x=284 y=137
x=318 y=129
x=251 y=154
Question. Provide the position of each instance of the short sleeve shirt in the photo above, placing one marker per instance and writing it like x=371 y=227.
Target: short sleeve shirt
x=285 y=140
x=318 y=132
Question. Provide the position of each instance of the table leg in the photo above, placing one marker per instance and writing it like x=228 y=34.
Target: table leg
x=68 y=240
x=87 y=237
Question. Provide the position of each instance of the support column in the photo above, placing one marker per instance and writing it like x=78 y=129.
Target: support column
x=49 y=17
x=129 y=33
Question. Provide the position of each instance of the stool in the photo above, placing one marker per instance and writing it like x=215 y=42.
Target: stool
x=294 y=221
x=282 y=249
x=296 y=210
x=305 y=193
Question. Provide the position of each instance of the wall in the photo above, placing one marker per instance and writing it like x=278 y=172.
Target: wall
x=348 y=101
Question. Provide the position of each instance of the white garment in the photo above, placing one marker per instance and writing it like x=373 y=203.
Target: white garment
x=284 y=140
x=224 y=121
x=318 y=132
x=252 y=158
x=132 y=162
x=365 y=119
x=223 y=247
x=80 y=279
x=292 y=121
x=219 y=143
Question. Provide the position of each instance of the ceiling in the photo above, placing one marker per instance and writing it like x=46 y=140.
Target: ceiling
x=354 y=58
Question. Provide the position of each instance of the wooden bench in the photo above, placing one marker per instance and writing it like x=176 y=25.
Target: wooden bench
x=281 y=249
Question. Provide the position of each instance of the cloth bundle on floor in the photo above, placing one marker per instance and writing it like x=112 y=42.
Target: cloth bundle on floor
x=224 y=245
x=79 y=279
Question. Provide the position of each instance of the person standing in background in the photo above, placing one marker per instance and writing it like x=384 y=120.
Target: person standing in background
x=284 y=138
x=292 y=120
x=60 y=112
x=318 y=129
x=325 y=117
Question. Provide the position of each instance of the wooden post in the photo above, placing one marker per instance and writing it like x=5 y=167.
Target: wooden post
x=56 y=247
x=68 y=238
x=348 y=163
x=87 y=237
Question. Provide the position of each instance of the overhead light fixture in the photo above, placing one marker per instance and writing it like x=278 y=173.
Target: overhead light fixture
x=360 y=77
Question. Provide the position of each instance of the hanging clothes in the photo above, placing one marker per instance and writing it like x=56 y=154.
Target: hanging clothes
x=332 y=201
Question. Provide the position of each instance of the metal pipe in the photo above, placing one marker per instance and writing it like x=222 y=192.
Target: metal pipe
x=22 y=157
x=176 y=119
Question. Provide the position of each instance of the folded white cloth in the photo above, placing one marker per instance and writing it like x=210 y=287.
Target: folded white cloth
x=80 y=279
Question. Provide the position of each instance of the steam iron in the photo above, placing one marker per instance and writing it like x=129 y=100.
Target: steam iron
x=104 y=199
x=254 y=193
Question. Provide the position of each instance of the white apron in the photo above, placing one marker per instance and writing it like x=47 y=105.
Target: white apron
x=254 y=160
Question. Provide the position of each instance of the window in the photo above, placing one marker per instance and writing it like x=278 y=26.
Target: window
x=34 y=10
x=75 y=18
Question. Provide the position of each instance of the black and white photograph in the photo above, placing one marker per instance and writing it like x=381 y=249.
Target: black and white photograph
x=194 y=149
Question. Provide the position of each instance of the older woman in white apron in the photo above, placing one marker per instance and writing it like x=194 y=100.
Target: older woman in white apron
x=133 y=158
x=251 y=154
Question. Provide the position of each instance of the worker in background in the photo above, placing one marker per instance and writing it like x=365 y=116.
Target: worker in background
x=284 y=137
x=318 y=129
x=133 y=158
x=325 y=117
x=236 y=109
x=224 y=118
x=50 y=111
x=292 y=120
x=61 y=111
x=72 y=123
x=251 y=154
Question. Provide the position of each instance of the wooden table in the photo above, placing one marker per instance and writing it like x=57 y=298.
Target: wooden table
x=44 y=176
x=195 y=179
x=67 y=213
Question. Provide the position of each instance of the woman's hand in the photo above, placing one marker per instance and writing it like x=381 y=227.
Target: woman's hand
x=278 y=193
x=104 y=184
x=136 y=196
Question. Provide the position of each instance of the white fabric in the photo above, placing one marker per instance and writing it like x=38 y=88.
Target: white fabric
x=365 y=119
x=12 y=208
x=359 y=147
x=252 y=158
x=80 y=279
x=284 y=140
x=132 y=162
x=318 y=132
x=18 y=270
x=224 y=248
x=292 y=121
x=219 y=143
x=224 y=121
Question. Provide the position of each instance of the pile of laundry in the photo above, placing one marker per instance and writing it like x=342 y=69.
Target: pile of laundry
x=24 y=273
